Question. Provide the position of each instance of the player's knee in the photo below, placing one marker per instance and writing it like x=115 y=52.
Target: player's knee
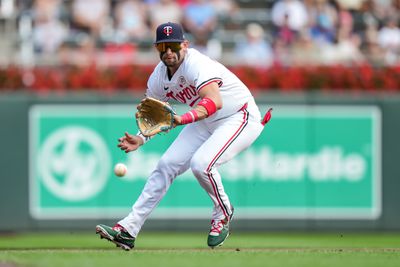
x=167 y=167
x=162 y=163
x=199 y=166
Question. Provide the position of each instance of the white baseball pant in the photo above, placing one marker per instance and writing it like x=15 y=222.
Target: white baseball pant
x=201 y=146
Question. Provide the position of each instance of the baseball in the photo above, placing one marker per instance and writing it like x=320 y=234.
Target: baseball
x=120 y=169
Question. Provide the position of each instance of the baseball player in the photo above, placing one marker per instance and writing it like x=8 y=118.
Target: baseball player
x=223 y=121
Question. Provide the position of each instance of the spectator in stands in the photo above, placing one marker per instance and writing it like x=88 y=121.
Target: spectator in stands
x=284 y=40
x=90 y=16
x=164 y=10
x=389 y=41
x=303 y=52
x=351 y=4
x=284 y=35
x=323 y=18
x=344 y=16
x=48 y=10
x=291 y=13
x=82 y=53
x=345 y=50
x=394 y=10
x=200 y=20
x=49 y=32
x=130 y=20
x=370 y=47
x=368 y=13
x=149 y=3
x=254 y=50
x=225 y=9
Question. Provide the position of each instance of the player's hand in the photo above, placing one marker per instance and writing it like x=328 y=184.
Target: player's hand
x=177 y=120
x=129 y=142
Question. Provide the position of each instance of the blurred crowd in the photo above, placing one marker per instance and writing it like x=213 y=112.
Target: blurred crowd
x=297 y=32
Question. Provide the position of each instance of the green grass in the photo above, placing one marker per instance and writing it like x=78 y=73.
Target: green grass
x=189 y=249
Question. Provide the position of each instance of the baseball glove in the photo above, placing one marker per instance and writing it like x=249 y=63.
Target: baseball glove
x=154 y=116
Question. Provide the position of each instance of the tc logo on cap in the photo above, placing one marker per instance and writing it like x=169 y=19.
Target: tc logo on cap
x=168 y=30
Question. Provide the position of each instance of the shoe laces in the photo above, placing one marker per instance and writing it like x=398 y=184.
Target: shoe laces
x=217 y=226
x=122 y=233
x=118 y=228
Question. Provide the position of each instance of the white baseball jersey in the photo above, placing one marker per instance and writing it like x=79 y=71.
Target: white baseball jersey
x=195 y=72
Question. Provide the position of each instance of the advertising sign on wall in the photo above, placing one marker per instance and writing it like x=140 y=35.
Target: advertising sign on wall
x=321 y=162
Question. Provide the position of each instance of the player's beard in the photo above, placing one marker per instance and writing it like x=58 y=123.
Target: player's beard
x=172 y=62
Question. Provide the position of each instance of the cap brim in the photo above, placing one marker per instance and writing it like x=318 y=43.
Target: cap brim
x=169 y=41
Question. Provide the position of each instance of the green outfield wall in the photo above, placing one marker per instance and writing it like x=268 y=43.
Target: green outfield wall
x=323 y=162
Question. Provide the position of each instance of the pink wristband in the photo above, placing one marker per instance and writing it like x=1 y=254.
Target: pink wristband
x=189 y=117
x=209 y=105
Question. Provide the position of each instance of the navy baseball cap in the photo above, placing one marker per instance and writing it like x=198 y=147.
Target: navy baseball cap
x=169 y=32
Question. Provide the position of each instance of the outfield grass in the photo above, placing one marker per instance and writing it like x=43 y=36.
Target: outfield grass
x=189 y=249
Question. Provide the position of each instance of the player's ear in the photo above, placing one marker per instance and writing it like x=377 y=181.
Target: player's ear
x=185 y=44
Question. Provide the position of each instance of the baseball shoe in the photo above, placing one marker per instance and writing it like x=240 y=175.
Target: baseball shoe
x=219 y=231
x=117 y=234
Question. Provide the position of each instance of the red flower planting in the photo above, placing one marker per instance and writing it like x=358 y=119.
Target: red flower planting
x=134 y=78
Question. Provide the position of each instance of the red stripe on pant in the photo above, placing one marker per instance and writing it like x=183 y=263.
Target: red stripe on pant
x=220 y=152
